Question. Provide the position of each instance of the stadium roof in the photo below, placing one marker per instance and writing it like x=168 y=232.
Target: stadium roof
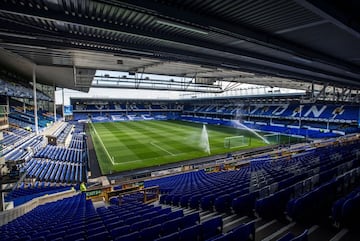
x=275 y=43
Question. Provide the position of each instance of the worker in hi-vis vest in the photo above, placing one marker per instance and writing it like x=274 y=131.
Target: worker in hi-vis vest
x=82 y=187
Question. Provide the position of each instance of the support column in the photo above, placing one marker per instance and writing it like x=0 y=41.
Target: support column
x=300 y=115
x=54 y=103
x=24 y=106
x=312 y=90
x=35 y=100
x=63 y=115
x=2 y=199
x=7 y=104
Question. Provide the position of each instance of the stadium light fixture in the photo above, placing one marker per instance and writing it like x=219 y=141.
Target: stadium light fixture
x=180 y=26
x=26 y=46
x=17 y=35
x=236 y=42
x=136 y=52
x=230 y=66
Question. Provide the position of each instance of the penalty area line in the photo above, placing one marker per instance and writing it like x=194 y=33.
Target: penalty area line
x=123 y=163
x=161 y=148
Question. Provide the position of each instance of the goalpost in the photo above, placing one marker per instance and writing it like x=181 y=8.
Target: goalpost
x=279 y=138
x=235 y=141
x=273 y=138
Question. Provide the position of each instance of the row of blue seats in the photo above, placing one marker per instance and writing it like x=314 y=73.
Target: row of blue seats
x=77 y=141
x=9 y=139
x=326 y=111
x=129 y=107
x=225 y=183
x=37 y=188
x=30 y=112
x=293 y=186
x=64 y=133
x=76 y=218
x=293 y=131
x=274 y=205
x=61 y=153
x=346 y=209
x=16 y=90
x=28 y=118
x=21 y=124
x=239 y=197
x=77 y=144
x=291 y=237
x=20 y=154
x=244 y=231
x=55 y=171
x=18 y=131
x=19 y=197
x=22 y=151
x=266 y=127
x=59 y=129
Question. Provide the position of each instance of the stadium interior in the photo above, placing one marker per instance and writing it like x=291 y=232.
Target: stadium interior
x=242 y=124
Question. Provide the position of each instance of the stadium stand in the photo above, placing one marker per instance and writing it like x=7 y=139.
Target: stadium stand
x=308 y=120
x=75 y=217
x=268 y=188
x=64 y=178
x=16 y=90
x=24 y=194
x=61 y=164
x=275 y=188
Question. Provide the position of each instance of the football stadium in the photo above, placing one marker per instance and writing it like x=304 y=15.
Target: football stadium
x=231 y=120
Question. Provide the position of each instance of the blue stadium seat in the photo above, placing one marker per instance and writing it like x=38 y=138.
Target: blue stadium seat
x=190 y=220
x=291 y=237
x=170 y=237
x=140 y=225
x=171 y=226
x=220 y=237
x=151 y=233
x=176 y=214
x=159 y=219
x=211 y=227
x=243 y=232
x=74 y=236
x=190 y=233
x=244 y=204
x=127 y=237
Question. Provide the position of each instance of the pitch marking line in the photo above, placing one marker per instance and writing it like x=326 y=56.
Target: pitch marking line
x=122 y=163
x=107 y=153
x=161 y=148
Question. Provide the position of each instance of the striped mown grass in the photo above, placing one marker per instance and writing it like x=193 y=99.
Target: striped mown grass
x=122 y=146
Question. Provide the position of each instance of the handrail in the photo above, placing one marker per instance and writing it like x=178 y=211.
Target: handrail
x=145 y=191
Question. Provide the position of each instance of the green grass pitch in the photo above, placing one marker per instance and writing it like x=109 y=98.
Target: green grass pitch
x=122 y=146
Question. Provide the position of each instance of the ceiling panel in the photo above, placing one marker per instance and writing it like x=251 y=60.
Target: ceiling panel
x=291 y=39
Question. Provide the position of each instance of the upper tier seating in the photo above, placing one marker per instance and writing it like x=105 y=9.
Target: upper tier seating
x=24 y=194
x=16 y=90
x=61 y=164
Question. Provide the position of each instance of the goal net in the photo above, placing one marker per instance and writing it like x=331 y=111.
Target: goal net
x=278 y=138
x=273 y=138
x=235 y=141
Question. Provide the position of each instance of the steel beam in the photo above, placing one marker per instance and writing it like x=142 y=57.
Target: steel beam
x=343 y=20
x=235 y=30
x=150 y=35
x=170 y=54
